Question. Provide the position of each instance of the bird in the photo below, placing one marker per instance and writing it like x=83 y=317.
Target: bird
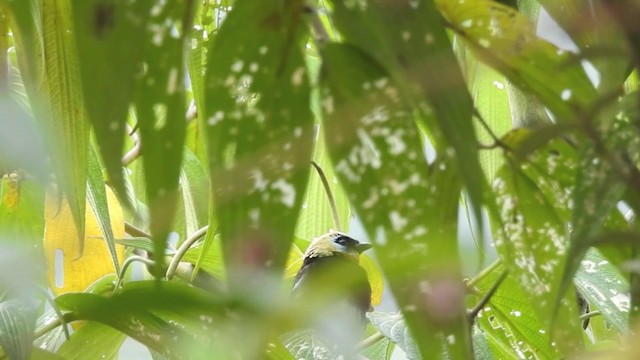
x=333 y=287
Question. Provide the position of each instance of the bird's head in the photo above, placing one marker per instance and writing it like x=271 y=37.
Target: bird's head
x=335 y=243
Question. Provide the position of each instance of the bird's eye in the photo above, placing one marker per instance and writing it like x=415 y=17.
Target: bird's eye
x=342 y=240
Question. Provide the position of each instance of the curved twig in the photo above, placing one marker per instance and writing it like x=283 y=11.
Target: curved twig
x=332 y=200
x=125 y=267
x=184 y=247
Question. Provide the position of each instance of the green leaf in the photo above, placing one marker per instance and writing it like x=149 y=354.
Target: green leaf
x=21 y=212
x=210 y=258
x=603 y=285
x=507 y=41
x=305 y=345
x=531 y=234
x=194 y=183
x=92 y=341
x=97 y=196
x=277 y=351
x=17 y=324
x=259 y=128
x=410 y=42
x=382 y=349
x=510 y=321
x=62 y=114
x=141 y=243
x=607 y=37
x=160 y=109
x=108 y=67
x=393 y=327
x=167 y=319
x=315 y=216
x=489 y=90
x=408 y=209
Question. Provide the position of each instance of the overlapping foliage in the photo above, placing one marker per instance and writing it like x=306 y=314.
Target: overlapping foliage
x=192 y=126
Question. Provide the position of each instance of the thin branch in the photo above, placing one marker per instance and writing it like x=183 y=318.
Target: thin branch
x=134 y=231
x=66 y=319
x=589 y=315
x=320 y=33
x=125 y=267
x=136 y=150
x=471 y=314
x=370 y=341
x=56 y=310
x=184 y=247
x=484 y=273
x=496 y=140
x=332 y=200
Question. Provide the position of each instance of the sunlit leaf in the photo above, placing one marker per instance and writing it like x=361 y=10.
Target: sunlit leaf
x=97 y=198
x=62 y=115
x=68 y=270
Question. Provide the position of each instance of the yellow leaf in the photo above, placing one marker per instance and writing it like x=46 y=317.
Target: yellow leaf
x=375 y=278
x=66 y=271
x=10 y=192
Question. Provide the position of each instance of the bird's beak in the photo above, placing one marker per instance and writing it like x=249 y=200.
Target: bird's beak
x=360 y=248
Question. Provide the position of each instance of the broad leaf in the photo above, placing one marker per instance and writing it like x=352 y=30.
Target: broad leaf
x=376 y=149
x=259 y=130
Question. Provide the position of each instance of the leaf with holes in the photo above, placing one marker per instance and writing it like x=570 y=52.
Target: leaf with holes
x=259 y=127
x=406 y=207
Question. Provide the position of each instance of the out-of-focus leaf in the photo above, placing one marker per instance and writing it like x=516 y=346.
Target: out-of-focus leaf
x=408 y=39
x=277 y=351
x=41 y=354
x=606 y=37
x=150 y=314
x=17 y=324
x=21 y=212
x=68 y=270
x=410 y=214
x=259 y=130
x=17 y=125
x=97 y=197
x=602 y=284
x=210 y=261
x=160 y=109
x=108 y=67
x=393 y=327
x=92 y=341
x=506 y=40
